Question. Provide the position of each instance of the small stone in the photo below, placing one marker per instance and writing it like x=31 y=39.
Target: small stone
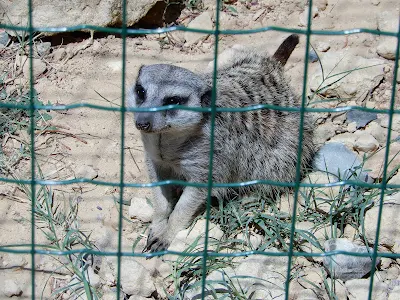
x=375 y=162
x=96 y=47
x=358 y=289
x=43 y=48
x=352 y=127
x=338 y=160
x=312 y=56
x=303 y=19
x=87 y=172
x=389 y=234
x=324 y=132
x=189 y=236
x=39 y=67
x=141 y=209
x=321 y=4
x=59 y=54
x=394 y=294
x=383 y=120
x=93 y=278
x=11 y=288
x=202 y=21
x=362 y=118
x=4 y=39
x=135 y=279
x=387 y=47
x=346 y=267
x=322 y=46
x=366 y=143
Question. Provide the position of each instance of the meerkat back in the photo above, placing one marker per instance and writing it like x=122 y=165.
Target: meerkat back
x=262 y=143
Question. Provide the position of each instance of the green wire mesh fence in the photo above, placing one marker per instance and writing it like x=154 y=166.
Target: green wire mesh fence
x=32 y=248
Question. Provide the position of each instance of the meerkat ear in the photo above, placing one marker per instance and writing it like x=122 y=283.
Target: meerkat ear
x=286 y=48
x=206 y=98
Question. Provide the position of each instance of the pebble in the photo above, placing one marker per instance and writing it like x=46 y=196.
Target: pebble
x=387 y=47
x=322 y=46
x=93 y=278
x=39 y=67
x=321 y=4
x=324 y=132
x=303 y=18
x=86 y=171
x=59 y=54
x=135 y=279
x=346 y=267
x=43 y=48
x=337 y=159
x=358 y=289
x=202 y=21
x=390 y=225
x=141 y=209
x=375 y=162
x=394 y=294
x=11 y=288
x=366 y=143
x=4 y=39
x=312 y=56
x=362 y=118
x=383 y=120
x=352 y=127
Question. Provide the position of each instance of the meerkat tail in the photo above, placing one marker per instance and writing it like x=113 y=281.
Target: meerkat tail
x=286 y=48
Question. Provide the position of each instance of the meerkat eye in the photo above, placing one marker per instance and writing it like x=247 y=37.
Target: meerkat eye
x=173 y=100
x=140 y=92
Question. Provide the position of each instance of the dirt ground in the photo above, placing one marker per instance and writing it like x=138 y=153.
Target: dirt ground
x=87 y=141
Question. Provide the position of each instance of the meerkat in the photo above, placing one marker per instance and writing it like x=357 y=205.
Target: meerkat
x=258 y=144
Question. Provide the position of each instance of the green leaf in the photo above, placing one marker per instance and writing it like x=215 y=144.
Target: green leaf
x=46 y=117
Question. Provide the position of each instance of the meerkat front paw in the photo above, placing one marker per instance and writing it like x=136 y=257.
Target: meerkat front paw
x=158 y=238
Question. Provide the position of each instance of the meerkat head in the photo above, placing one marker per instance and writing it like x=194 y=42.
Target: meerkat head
x=161 y=85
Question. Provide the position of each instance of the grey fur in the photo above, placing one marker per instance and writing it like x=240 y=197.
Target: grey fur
x=260 y=144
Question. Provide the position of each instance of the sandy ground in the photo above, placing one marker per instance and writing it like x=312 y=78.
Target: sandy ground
x=89 y=141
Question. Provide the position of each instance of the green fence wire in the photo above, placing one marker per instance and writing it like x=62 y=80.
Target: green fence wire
x=124 y=32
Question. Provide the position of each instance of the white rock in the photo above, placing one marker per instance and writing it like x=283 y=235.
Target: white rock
x=59 y=54
x=395 y=293
x=358 y=83
x=366 y=143
x=322 y=46
x=390 y=224
x=303 y=19
x=39 y=67
x=387 y=47
x=135 y=279
x=11 y=288
x=87 y=172
x=379 y=133
x=347 y=267
x=383 y=120
x=93 y=278
x=375 y=162
x=324 y=132
x=321 y=4
x=226 y=57
x=358 y=289
x=346 y=138
x=252 y=239
x=141 y=209
x=52 y=13
x=202 y=21
x=395 y=179
x=190 y=236
x=352 y=127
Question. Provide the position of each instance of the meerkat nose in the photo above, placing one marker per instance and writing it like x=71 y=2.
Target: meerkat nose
x=144 y=126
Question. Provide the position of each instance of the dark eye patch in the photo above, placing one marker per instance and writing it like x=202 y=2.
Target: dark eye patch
x=174 y=100
x=140 y=93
